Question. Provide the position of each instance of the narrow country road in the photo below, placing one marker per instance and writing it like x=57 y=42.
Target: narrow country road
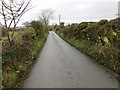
x=61 y=66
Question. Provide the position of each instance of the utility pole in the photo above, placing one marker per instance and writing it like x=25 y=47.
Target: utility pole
x=119 y=9
x=59 y=19
x=119 y=15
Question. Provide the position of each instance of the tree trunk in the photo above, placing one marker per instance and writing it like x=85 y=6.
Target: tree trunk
x=10 y=43
x=9 y=40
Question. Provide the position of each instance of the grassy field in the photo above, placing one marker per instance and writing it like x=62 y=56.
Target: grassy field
x=17 y=35
x=17 y=39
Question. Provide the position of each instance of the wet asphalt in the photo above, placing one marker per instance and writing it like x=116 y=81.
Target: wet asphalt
x=60 y=65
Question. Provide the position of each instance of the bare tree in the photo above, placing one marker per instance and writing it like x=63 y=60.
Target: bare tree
x=12 y=11
x=46 y=15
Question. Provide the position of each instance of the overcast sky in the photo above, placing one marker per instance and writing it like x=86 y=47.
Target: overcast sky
x=74 y=11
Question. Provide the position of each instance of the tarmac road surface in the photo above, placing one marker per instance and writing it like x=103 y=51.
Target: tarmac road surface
x=60 y=65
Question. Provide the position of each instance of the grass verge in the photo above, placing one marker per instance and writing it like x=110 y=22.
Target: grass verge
x=102 y=54
x=18 y=60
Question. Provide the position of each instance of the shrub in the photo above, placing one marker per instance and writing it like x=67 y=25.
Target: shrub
x=17 y=60
x=19 y=52
x=28 y=36
x=38 y=27
x=106 y=55
x=9 y=79
x=103 y=22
